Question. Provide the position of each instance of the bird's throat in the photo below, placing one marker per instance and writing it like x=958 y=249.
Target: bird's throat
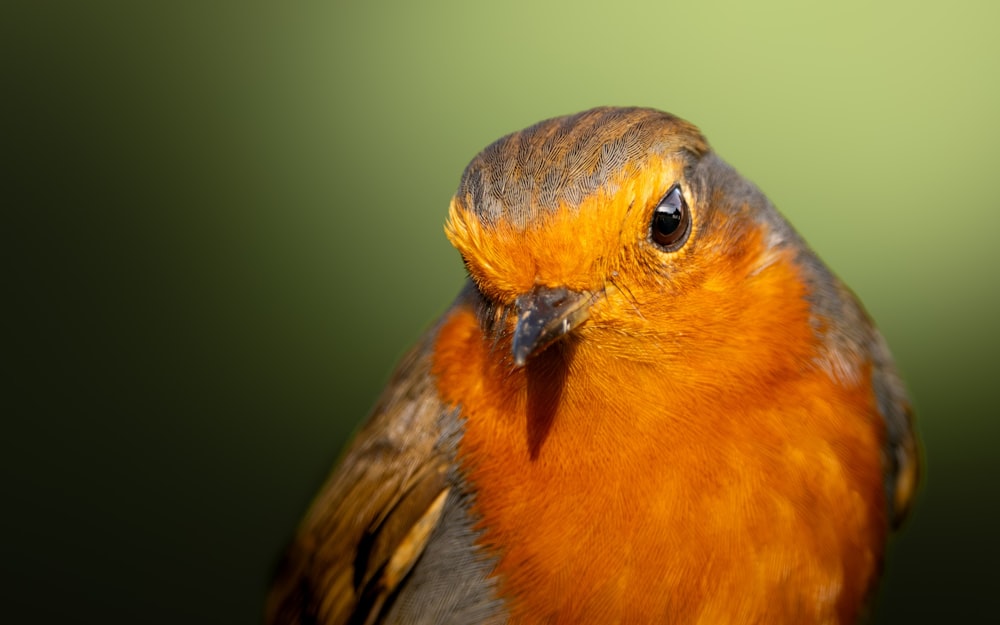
x=588 y=462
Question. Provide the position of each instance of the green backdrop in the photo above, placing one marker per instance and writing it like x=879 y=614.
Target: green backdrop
x=222 y=225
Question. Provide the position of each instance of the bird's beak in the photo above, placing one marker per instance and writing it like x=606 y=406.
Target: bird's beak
x=544 y=316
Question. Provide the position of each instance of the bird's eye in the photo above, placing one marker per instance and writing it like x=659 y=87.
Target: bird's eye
x=671 y=221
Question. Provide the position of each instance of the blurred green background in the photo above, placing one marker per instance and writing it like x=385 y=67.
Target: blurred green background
x=222 y=224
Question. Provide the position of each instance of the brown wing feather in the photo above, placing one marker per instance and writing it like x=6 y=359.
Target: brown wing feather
x=373 y=517
x=901 y=449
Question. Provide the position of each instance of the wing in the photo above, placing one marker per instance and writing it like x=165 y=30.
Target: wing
x=901 y=454
x=900 y=449
x=372 y=518
x=394 y=502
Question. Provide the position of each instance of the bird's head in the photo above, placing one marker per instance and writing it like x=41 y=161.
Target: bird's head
x=622 y=223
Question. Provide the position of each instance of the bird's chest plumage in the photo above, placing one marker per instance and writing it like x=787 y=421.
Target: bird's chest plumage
x=604 y=504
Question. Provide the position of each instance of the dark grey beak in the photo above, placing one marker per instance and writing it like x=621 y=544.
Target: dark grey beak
x=544 y=316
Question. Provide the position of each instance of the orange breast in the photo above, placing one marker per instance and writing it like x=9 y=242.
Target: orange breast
x=610 y=497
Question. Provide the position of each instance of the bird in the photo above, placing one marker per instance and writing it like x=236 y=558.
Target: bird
x=650 y=402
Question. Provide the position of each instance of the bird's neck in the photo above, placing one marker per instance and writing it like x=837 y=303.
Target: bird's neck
x=583 y=456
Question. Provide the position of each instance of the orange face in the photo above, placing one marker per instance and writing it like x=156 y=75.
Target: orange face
x=698 y=304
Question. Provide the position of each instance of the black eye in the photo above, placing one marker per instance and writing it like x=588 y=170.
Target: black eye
x=671 y=221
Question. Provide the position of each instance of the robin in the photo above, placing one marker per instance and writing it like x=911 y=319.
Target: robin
x=651 y=402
